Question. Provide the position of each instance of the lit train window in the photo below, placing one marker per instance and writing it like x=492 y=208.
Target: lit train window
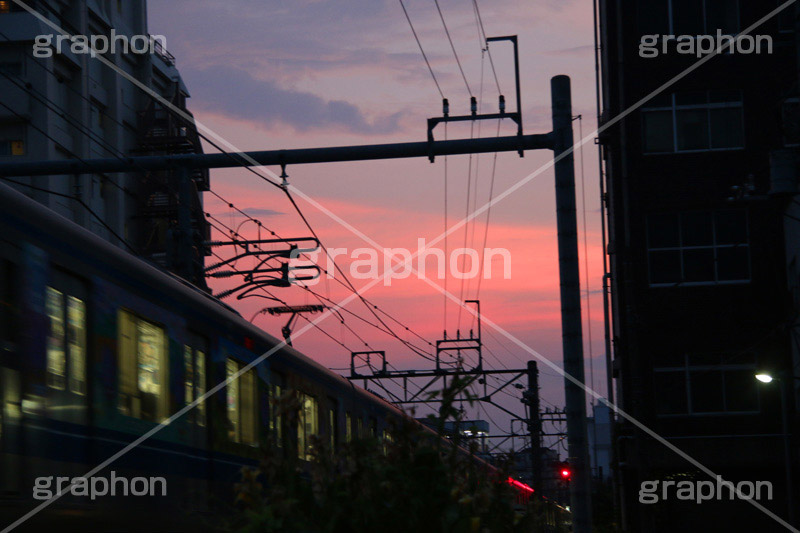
x=142 y=368
x=348 y=427
x=76 y=341
x=241 y=397
x=387 y=439
x=307 y=425
x=276 y=420
x=56 y=359
x=333 y=432
x=200 y=386
x=188 y=378
x=194 y=383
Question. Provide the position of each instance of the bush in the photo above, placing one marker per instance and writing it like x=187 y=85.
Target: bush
x=416 y=482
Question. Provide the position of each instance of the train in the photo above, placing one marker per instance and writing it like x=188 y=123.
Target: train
x=99 y=347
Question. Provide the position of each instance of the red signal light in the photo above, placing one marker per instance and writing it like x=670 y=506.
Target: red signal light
x=565 y=473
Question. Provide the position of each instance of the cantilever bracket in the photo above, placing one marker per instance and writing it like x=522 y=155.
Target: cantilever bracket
x=515 y=116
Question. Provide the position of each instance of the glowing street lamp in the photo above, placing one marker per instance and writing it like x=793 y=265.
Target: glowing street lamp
x=765 y=377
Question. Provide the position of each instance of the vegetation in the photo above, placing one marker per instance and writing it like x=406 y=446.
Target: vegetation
x=412 y=482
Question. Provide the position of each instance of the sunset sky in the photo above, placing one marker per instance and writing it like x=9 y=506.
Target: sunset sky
x=309 y=73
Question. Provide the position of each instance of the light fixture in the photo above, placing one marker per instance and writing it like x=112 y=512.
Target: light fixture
x=764 y=377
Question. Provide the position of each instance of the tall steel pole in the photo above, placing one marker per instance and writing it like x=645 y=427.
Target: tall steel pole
x=572 y=335
x=535 y=426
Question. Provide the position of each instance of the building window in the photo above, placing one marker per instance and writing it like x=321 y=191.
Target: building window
x=790 y=121
x=142 y=368
x=11 y=68
x=707 y=384
x=195 y=383
x=241 y=396
x=66 y=342
x=694 y=121
x=12 y=148
x=307 y=425
x=698 y=248
x=704 y=17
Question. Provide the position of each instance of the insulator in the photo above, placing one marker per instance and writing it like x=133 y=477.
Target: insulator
x=445 y=107
x=473 y=105
x=502 y=104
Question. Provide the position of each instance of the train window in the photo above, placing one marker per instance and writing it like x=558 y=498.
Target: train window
x=348 y=427
x=359 y=428
x=195 y=383
x=76 y=341
x=142 y=368
x=373 y=428
x=56 y=359
x=333 y=419
x=242 y=415
x=307 y=425
x=387 y=439
x=66 y=341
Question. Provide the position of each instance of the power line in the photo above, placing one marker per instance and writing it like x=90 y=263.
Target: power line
x=424 y=56
x=452 y=46
x=488 y=217
x=348 y=285
x=323 y=299
x=586 y=261
x=347 y=280
x=81 y=202
x=489 y=52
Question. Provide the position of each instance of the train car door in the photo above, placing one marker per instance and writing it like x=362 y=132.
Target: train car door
x=195 y=364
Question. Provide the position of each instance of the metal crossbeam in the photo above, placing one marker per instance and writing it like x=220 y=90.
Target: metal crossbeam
x=300 y=156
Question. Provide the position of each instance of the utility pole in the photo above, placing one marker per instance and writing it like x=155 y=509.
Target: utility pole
x=572 y=334
x=534 y=424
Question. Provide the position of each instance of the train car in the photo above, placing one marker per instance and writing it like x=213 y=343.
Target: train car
x=98 y=347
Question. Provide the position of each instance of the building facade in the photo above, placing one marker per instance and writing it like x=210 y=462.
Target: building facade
x=67 y=104
x=700 y=182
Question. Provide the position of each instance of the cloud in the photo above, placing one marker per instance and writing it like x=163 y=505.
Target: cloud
x=572 y=51
x=236 y=93
x=251 y=211
x=262 y=212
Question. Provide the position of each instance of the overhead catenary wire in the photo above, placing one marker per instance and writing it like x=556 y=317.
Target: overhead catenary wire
x=369 y=304
x=422 y=50
x=488 y=50
x=586 y=259
x=347 y=280
x=453 y=47
x=81 y=202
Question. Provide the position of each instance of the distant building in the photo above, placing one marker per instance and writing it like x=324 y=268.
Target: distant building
x=599 y=426
x=703 y=255
x=474 y=430
x=71 y=106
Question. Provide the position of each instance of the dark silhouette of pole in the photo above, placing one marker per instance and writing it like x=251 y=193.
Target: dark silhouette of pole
x=535 y=426
x=572 y=335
